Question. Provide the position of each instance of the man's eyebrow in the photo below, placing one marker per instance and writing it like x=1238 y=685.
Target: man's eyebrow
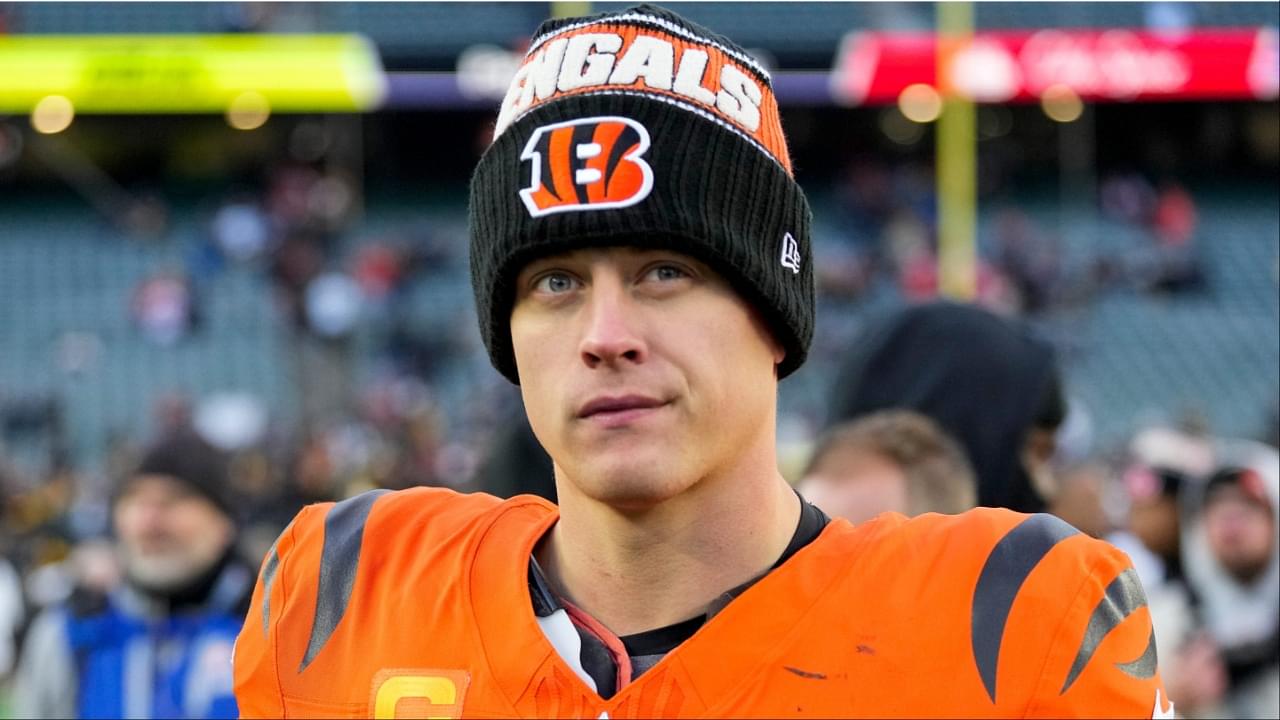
x=541 y=264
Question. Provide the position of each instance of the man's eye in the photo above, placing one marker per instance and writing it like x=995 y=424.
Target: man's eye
x=667 y=273
x=554 y=283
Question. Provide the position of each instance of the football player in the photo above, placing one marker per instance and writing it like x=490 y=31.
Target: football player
x=642 y=267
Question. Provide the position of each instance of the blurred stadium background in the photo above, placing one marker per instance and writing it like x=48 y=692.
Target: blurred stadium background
x=251 y=217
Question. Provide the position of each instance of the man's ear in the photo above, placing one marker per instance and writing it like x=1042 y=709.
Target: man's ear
x=1036 y=457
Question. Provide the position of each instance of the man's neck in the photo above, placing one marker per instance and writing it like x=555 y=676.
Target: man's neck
x=639 y=570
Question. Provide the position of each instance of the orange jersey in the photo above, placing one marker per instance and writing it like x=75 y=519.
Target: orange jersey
x=416 y=604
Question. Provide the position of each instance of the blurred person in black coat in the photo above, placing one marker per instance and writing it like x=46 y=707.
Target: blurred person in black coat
x=987 y=381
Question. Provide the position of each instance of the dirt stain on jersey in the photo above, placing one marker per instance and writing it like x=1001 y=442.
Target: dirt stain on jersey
x=805 y=673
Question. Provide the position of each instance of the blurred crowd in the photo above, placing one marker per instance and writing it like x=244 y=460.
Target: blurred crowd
x=147 y=556
x=886 y=231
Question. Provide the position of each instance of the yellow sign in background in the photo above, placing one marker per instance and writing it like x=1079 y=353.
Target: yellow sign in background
x=190 y=73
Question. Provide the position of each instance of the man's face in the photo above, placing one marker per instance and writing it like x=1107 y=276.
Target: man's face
x=856 y=484
x=1240 y=531
x=168 y=533
x=642 y=371
x=1154 y=521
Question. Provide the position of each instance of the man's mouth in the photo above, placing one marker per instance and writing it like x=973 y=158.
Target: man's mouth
x=619 y=409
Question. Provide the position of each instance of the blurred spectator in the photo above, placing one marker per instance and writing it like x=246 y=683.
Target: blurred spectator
x=985 y=380
x=299 y=197
x=12 y=613
x=888 y=461
x=418 y=352
x=918 y=275
x=1175 y=217
x=1177 y=265
x=230 y=421
x=1232 y=564
x=379 y=269
x=1154 y=523
x=159 y=644
x=289 y=197
x=911 y=246
x=165 y=308
x=1080 y=498
x=1186 y=450
x=846 y=271
x=171 y=413
x=145 y=217
x=332 y=304
x=299 y=259
x=1151 y=537
x=1127 y=197
x=1028 y=259
x=240 y=230
x=865 y=199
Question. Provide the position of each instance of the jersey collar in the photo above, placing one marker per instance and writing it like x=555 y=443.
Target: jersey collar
x=744 y=632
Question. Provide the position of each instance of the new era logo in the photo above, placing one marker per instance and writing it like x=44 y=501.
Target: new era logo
x=587 y=164
x=790 y=253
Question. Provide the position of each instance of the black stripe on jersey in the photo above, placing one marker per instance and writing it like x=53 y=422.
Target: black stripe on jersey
x=1123 y=596
x=269 y=577
x=339 y=560
x=1145 y=666
x=1006 y=569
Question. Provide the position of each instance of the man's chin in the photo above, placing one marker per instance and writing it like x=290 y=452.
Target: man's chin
x=633 y=485
x=164 y=574
x=1246 y=571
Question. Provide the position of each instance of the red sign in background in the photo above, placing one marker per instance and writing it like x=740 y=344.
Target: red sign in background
x=1100 y=65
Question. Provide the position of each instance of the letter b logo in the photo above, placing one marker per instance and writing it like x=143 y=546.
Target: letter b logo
x=587 y=164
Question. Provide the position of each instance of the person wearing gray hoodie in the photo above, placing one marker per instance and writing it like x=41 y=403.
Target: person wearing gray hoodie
x=1231 y=556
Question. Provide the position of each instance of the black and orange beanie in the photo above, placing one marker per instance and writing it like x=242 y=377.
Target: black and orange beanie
x=641 y=128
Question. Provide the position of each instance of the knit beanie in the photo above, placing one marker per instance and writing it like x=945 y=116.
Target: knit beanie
x=187 y=458
x=642 y=129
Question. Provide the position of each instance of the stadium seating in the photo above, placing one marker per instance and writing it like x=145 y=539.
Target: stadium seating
x=66 y=281
x=1132 y=358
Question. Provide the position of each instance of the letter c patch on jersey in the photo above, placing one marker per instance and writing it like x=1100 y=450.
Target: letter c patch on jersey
x=587 y=164
x=418 y=693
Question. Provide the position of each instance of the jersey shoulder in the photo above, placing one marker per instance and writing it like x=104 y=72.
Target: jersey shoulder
x=400 y=532
x=1040 y=617
x=342 y=571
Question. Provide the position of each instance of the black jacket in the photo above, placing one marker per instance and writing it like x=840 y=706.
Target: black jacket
x=984 y=379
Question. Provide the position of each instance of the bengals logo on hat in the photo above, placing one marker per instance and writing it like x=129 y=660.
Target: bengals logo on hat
x=587 y=164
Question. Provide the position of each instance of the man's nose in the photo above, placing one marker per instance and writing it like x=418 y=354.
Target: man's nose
x=612 y=336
